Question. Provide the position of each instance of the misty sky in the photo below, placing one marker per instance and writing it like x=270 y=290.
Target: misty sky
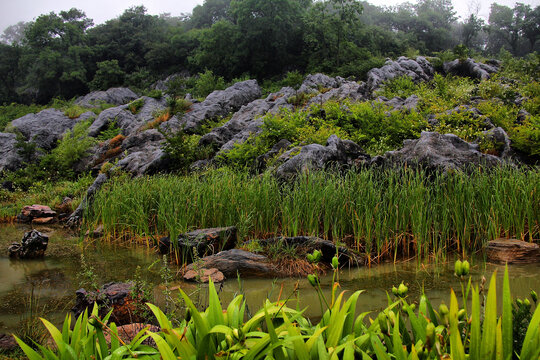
x=13 y=11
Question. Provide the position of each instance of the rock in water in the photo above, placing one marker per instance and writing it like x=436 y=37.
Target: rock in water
x=235 y=261
x=33 y=213
x=33 y=245
x=204 y=275
x=117 y=297
x=513 y=251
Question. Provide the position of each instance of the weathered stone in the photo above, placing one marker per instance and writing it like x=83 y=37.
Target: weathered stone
x=501 y=141
x=128 y=332
x=437 y=152
x=144 y=153
x=7 y=343
x=44 y=128
x=469 y=68
x=231 y=262
x=262 y=161
x=418 y=70
x=96 y=233
x=33 y=245
x=203 y=275
x=115 y=96
x=398 y=103
x=117 y=297
x=204 y=241
x=337 y=152
x=345 y=90
x=9 y=157
x=513 y=251
x=29 y=213
x=314 y=82
x=66 y=206
x=76 y=216
x=522 y=115
x=218 y=103
x=307 y=244
x=43 y=221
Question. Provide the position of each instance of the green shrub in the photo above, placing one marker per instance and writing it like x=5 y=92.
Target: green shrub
x=110 y=132
x=155 y=94
x=293 y=79
x=136 y=105
x=109 y=74
x=206 y=83
x=74 y=145
x=402 y=86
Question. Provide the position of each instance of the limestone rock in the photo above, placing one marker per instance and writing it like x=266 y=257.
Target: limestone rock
x=115 y=96
x=398 y=103
x=469 y=68
x=418 y=70
x=437 y=152
x=9 y=156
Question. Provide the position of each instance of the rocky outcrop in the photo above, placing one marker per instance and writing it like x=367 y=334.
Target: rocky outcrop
x=118 y=297
x=470 y=68
x=9 y=157
x=280 y=147
x=44 y=128
x=513 y=251
x=316 y=157
x=398 y=103
x=501 y=142
x=115 y=96
x=144 y=153
x=307 y=244
x=418 y=70
x=76 y=216
x=124 y=119
x=235 y=261
x=33 y=245
x=34 y=212
x=203 y=241
x=247 y=121
x=7 y=343
x=437 y=152
x=218 y=103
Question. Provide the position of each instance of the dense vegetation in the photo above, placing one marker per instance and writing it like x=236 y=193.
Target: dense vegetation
x=277 y=330
x=64 y=55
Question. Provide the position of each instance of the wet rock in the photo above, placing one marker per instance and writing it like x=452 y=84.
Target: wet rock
x=513 y=251
x=337 y=152
x=398 y=103
x=44 y=128
x=231 y=262
x=30 y=213
x=117 y=297
x=9 y=157
x=43 y=221
x=218 y=103
x=203 y=275
x=437 y=152
x=115 y=96
x=246 y=121
x=418 y=70
x=204 y=241
x=33 y=245
x=7 y=343
x=76 y=216
x=307 y=244
x=470 y=68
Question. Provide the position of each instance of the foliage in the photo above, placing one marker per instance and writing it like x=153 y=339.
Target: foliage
x=14 y=111
x=110 y=132
x=74 y=145
x=379 y=210
x=206 y=83
x=108 y=75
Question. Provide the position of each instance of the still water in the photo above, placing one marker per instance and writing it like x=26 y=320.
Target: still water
x=54 y=279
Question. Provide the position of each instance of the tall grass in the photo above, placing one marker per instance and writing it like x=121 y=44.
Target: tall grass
x=384 y=213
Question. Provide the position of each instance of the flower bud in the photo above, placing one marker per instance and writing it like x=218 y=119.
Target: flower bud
x=317 y=255
x=461 y=314
x=312 y=280
x=458 y=268
x=394 y=290
x=310 y=258
x=402 y=290
x=430 y=334
x=383 y=324
x=534 y=296
x=443 y=310
x=335 y=262
x=526 y=302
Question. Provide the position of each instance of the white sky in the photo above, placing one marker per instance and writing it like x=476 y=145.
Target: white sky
x=13 y=11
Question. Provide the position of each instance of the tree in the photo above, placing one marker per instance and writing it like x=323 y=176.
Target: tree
x=209 y=13
x=108 y=75
x=14 y=34
x=470 y=29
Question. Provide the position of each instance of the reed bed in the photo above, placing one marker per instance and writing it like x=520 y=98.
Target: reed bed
x=383 y=213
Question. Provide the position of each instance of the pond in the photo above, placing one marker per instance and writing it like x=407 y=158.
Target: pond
x=51 y=282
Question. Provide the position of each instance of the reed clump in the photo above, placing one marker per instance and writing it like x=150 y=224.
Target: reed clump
x=382 y=213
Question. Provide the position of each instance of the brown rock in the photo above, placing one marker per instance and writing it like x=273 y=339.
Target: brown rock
x=231 y=262
x=128 y=332
x=7 y=343
x=43 y=221
x=205 y=274
x=97 y=233
x=513 y=251
x=28 y=213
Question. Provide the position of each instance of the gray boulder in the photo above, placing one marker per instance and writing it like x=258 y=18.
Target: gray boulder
x=398 y=103
x=345 y=90
x=75 y=218
x=262 y=161
x=218 y=103
x=247 y=121
x=499 y=138
x=314 y=82
x=44 y=128
x=315 y=157
x=437 y=152
x=115 y=96
x=144 y=153
x=125 y=119
x=470 y=68
x=9 y=156
x=418 y=70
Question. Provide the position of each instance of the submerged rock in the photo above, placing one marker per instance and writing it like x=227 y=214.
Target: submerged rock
x=437 y=152
x=231 y=262
x=33 y=245
x=337 y=152
x=118 y=297
x=204 y=275
x=31 y=213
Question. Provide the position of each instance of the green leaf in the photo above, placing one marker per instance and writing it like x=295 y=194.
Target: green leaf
x=28 y=351
x=164 y=348
x=531 y=343
x=487 y=349
x=475 y=342
x=456 y=346
x=507 y=323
